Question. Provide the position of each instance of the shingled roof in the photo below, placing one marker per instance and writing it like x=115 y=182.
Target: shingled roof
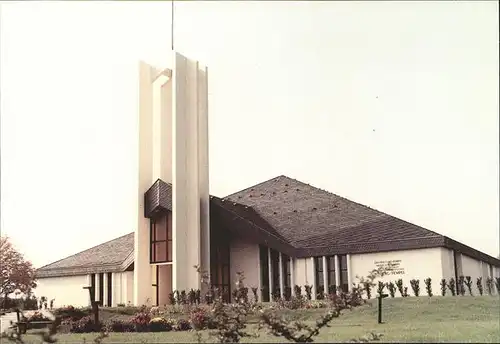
x=317 y=222
x=112 y=256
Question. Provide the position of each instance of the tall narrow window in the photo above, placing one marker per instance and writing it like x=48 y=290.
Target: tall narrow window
x=275 y=267
x=101 y=289
x=332 y=278
x=220 y=267
x=288 y=277
x=318 y=277
x=264 y=272
x=92 y=284
x=161 y=239
x=344 y=283
x=110 y=289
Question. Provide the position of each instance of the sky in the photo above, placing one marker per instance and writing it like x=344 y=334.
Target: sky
x=393 y=105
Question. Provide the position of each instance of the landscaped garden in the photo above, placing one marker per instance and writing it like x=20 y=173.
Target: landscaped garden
x=336 y=317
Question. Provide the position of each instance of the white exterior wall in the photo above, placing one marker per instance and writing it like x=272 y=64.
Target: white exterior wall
x=123 y=287
x=244 y=257
x=65 y=290
x=304 y=274
x=173 y=146
x=414 y=264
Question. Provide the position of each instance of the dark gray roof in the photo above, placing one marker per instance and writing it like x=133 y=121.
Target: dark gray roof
x=317 y=222
x=285 y=214
x=112 y=256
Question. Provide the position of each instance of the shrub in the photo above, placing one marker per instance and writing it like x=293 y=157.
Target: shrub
x=468 y=283
x=72 y=313
x=332 y=289
x=159 y=325
x=298 y=290
x=452 y=286
x=182 y=325
x=84 y=325
x=171 y=298
x=489 y=285
x=120 y=305
x=320 y=292
x=479 y=284
x=497 y=284
x=199 y=318
x=120 y=326
x=415 y=286
x=255 y=294
x=308 y=289
x=380 y=288
x=392 y=289
x=399 y=284
x=191 y=296
x=405 y=292
x=37 y=316
x=368 y=289
x=461 y=285
x=428 y=286
x=294 y=303
x=141 y=321
x=443 y=287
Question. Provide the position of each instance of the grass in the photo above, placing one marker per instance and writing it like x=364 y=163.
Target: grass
x=422 y=320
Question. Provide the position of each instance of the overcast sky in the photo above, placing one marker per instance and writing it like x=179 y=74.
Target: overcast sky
x=392 y=105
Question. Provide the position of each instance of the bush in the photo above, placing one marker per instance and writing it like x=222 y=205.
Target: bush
x=182 y=325
x=84 y=325
x=255 y=294
x=428 y=286
x=405 y=292
x=159 y=325
x=461 y=285
x=443 y=287
x=392 y=289
x=120 y=326
x=468 y=283
x=415 y=286
x=141 y=321
x=298 y=290
x=72 y=313
x=489 y=285
x=320 y=292
x=497 y=284
x=308 y=289
x=368 y=289
x=399 y=284
x=199 y=319
x=479 y=284
x=452 y=286
x=380 y=288
x=294 y=303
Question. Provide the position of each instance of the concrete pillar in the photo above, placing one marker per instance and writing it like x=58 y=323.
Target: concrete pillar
x=124 y=289
x=337 y=272
x=270 y=264
x=282 y=277
x=349 y=272
x=189 y=171
x=105 y=287
x=89 y=283
x=97 y=287
x=117 y=286
x=325 y=276
x=292 y=275
x=313 y=274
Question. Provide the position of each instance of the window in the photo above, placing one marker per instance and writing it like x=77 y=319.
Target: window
x=275 y=269
x=318 y=277
x=264 y=272
x=101 y=289
x=161 y=239
x=288 y=277
x=332 y=278
x=110 y=289
x=219 y=269
x=344 y=283
x=92 y=284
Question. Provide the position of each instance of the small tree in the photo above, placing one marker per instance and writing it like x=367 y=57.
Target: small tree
x=16 y=273
x=479 y=284
x=443 y=287
x=392 y=289
x=452 y=286
x=461 y=285
x=468 y=283
x=415 y=286
x=428 y=286
x=489 y=285
x=497 y=284
x=399 y=284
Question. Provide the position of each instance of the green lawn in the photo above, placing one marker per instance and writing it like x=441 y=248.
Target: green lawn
x=422 y=319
